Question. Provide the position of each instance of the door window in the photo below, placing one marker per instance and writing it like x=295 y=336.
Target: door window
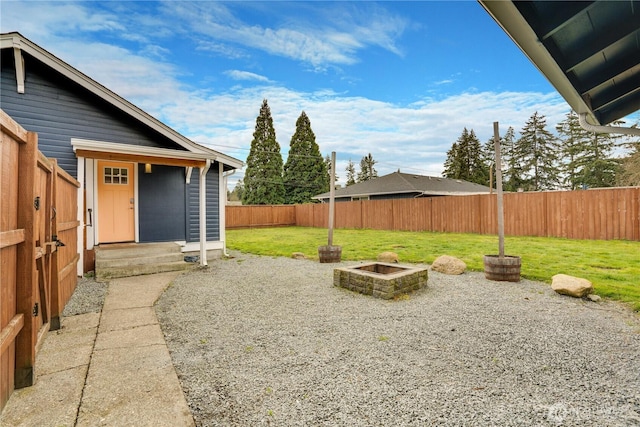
x=116 y=176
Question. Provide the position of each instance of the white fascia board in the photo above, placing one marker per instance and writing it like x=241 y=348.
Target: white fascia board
x=518 y=29
x=16 y=40
x=140 y=150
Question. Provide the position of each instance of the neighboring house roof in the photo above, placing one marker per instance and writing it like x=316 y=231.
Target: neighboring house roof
x=21 y=44
x=405 y=183
x=588 y=50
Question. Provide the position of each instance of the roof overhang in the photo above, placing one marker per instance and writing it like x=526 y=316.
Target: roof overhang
x=589 y=51
x=138 y=154
x=20 y=44
x=417 y=194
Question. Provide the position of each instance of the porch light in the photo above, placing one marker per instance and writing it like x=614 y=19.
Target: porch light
x=147 y=168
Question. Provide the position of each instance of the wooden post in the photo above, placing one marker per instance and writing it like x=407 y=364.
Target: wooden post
x=491 y=178
x=56 y=308
x=332 y=194
x=496 y=138
x=26 y=276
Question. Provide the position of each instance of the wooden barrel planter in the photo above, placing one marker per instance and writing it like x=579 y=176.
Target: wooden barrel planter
x=329 y=253
x=505 y=269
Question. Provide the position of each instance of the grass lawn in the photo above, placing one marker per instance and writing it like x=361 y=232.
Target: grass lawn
x=612 y=265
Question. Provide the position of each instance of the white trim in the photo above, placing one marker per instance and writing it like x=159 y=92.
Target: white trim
x=90 y=167
x=19 y=62
x=80 y=213
x=222 y=203
x=96 y=217
x=188 y=172
x=136 y=223
x=203 y=212
x=140 y=150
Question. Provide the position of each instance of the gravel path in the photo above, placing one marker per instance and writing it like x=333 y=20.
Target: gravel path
x=269 y=341
x=87 y=298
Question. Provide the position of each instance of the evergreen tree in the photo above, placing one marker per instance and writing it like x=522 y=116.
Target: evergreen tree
x=452 y=164
x=367 y=171
x=236 y=194
x=263 y=183
x=305 y=172
x=511 y=172
x=599 y=167
x=630 y=167
x=536 y=153
x=574 y=142
x=467 y=160
x=629 y=173
x=351 y=173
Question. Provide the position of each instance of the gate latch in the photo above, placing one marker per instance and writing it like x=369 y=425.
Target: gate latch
x=36 y=203
x=35 y=310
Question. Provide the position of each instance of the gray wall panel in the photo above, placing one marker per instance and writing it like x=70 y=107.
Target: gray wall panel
x=161 y=204
x=213 y=206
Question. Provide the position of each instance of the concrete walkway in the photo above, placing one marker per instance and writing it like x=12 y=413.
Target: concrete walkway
x=106 y=369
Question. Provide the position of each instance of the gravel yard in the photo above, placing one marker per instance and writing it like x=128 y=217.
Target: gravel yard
x=87 y=298
x=270 y=341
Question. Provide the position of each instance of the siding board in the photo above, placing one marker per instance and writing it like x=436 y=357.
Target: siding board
x=193 y=205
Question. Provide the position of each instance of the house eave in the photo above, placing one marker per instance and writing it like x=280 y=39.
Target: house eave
x=507 y=16
x=587 y=53
x=17 y=41
x=137 y=153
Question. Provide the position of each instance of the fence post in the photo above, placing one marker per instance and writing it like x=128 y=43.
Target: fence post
x=26 y=262
x=54 y=320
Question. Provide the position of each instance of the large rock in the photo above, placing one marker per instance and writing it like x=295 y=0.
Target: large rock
x=572 y=286
x=448 y=264
x=298 y=255
x=388 y=257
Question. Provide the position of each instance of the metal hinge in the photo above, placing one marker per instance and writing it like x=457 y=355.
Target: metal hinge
x=35 y=310
x=36 y=203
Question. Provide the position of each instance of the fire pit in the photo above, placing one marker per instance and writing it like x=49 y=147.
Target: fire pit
x=380 y=279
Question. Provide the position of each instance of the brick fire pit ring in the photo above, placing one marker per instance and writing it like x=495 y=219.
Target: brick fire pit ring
x=381 y=280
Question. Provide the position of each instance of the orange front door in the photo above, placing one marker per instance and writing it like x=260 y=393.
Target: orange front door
x=115 y=202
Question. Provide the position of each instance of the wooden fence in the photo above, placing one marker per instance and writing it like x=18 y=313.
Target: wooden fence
x=605 y=214
x=38 y=207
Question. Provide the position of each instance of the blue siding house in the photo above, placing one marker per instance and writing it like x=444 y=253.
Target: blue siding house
x=141 y=180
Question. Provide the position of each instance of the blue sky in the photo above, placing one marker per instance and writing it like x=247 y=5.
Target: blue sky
x=397 y=79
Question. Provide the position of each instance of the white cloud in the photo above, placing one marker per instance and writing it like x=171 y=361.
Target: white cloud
x=41 y=21
x=245 y=75
x=327 y=40
x=414 y=138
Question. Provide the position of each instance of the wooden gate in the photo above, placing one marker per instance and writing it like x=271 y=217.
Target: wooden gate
x=38 y=207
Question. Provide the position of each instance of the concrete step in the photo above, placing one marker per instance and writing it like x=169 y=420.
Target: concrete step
x=138 y=260
x=131 y=259
x=130 y=250
x=141 y=269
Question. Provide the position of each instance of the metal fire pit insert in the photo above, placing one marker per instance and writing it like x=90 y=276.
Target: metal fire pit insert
x=380 y=279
